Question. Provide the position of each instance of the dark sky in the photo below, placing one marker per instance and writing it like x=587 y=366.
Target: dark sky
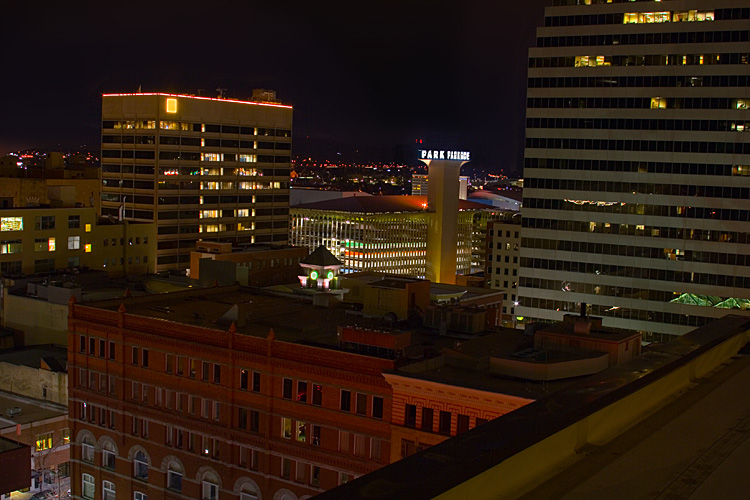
x=362 y=76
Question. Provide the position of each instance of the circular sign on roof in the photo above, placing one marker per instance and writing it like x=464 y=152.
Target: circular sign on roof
x=314 y=275
x=329 y=275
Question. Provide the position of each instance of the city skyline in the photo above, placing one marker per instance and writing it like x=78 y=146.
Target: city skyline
x=358 y=82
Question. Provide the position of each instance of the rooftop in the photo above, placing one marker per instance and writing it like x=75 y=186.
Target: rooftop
x=32 y=356
x=381 y=204
x=31 y=410
x=188 y=96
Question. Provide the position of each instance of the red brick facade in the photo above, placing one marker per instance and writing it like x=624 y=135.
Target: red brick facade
x=231 y=415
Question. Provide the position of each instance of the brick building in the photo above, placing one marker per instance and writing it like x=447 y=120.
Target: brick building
x=181 y=395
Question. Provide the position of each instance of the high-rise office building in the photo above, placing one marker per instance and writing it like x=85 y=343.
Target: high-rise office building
x=637 y=164
x=198 y=167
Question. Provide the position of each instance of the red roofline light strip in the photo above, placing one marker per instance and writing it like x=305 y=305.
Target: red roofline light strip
x=200 y=97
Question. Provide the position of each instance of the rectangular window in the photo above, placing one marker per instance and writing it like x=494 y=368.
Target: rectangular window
x=111 y=350
x=88 y=486
x=361 y=404
x=287 y=389
x=286 y=428
x=410 y=416
x=344 y=441
x=302 y=392
x=204 y=371
x=74 y=242
x=11 y=246
x=44 y=442
x=193 y=367
x=444 y=423
x=144 y=358
x=243 y=379
x=168 y=363
x=346 y=400
x=180 y=365
x=256 y=382
x=299 y=434
x=242 y=418
x=428 y=416
x=286 y=468
x=11 y=223
x=82 y=345
x=315 y=437
x=377 y=407
x=44 y=222
x=360 y=445
x=315 y=476
x=462 y=423
x=217 y=373
x=376 y=449
x=317 y=396
x=135 y=356
x=254 y=421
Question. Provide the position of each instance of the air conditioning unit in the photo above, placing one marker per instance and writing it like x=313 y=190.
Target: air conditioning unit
x=12 y=412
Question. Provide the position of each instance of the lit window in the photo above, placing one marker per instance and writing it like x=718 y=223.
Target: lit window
x=212 y=157
x=44 y=442
x=66 y=436
x=286 y=428
x=88 y=228
x=658 y=103
x=11 y=223
x=74 y=242
x=11 y=246
x=87 y=248
x=171 y=105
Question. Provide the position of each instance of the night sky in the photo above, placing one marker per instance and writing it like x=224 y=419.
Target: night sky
x=363 y=78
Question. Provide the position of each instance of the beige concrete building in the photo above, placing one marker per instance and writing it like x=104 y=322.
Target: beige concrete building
x=42 y=240
x=503 y=262
x=197 y=167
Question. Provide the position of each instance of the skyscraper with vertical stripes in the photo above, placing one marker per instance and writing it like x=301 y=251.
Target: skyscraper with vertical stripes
x=637 y=164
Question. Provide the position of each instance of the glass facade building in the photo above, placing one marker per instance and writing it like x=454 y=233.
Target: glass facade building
x=637 y=164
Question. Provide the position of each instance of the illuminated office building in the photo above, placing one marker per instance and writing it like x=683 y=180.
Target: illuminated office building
x=637 y=163
x=198 y=167
x=383 y=233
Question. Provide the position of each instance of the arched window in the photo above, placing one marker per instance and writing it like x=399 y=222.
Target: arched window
x=249 y=492
x=108 y=455
x=140 y=466
x=108 y=490
x=88 y=486
x=210 y=487
x=174 y=476
x=87 y=449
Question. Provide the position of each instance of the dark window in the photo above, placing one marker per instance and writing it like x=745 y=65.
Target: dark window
x=346 y=400
x=102 y=347
x=428 y=415
x=92 y=345
x=111 y=350
x=287 y=389
x=204 y=371
x=243 y=379
x=256 y=382
x=302 y=392
x=217 y=373
x=135 y=356
x=145 y=358
x=462 y=425
x=361 y=404
x=410 y=416
x=317 y=397
x=82 y=347
x=444 y=424
x=377 y=407
x=242 y=418
x=254 y=420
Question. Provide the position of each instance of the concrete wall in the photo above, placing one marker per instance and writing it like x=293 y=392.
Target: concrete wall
x=549 y=371
x=42 y=322
x=31 y=382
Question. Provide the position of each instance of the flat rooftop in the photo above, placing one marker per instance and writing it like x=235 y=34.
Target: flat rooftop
x=31 y=356
x=32 y=410
x=465 y=363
